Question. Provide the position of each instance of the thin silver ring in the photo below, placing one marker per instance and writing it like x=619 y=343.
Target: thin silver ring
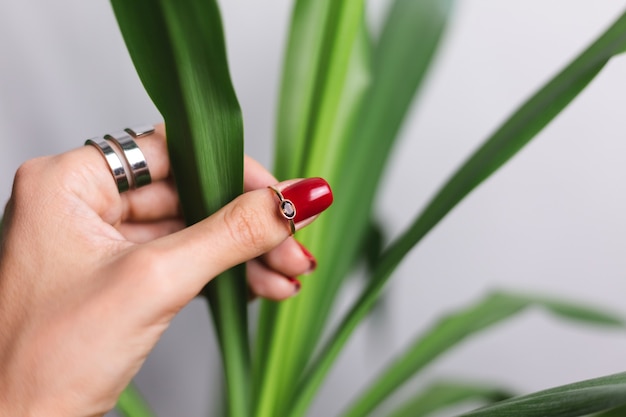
x=113 y=160
x=137 y=164
x=286 y=208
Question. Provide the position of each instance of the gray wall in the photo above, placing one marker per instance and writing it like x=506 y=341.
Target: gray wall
x=551 y=221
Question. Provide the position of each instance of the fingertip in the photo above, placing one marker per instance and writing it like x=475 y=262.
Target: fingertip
x=290 y=258
x=302 y=200
x=297 y=285
x=309 y=257
x=269 y=284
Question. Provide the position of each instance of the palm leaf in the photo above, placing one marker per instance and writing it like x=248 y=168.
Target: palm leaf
x=578 y=399
x=457 y=327
x=336 y=73
x=517 y=131
x=132 y=404
x=512 y=136
x=405 y=43
x=446 y=394
x=181 y=60
x=615 y=412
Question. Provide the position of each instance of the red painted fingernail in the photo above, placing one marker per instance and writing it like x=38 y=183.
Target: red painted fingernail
x=310 y=196
x=296 y=284
x=310 y=257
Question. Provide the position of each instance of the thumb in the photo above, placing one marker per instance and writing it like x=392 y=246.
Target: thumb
x=247 y=227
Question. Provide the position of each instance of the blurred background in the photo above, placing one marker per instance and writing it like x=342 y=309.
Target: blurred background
x=552 y=221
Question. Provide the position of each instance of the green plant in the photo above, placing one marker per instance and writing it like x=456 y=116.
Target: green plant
x=343 y=99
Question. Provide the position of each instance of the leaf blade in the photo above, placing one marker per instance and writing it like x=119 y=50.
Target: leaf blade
x=615 y=412
x=300 y=68
x=181 y=60
x=578 y=399
x=512 y=135
x=463 y=181
x=455 y=328
x=132 y=404
x=354 y=177
x=324 y=112
x=445 y=394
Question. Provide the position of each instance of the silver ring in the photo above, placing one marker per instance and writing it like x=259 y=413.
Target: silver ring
x=137 y=164
x=137 y=131
x=113 y=160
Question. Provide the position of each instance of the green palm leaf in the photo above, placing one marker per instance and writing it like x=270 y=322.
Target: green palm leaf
x=132 y=404
x=331 y=38
x=516 y=132
x=455 y=328
x=400 y=61
x=181 y=60
x=510 y=137
x=578 y=399
x=616 y=412
x=447 y=394
x=352 y=164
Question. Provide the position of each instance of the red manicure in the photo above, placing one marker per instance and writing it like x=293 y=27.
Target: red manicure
x=296 y=284
x=309 y=256
x=310 y=196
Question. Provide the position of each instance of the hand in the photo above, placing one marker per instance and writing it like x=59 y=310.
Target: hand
x=90 y=278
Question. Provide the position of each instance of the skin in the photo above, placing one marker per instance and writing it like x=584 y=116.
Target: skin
x=90 y=279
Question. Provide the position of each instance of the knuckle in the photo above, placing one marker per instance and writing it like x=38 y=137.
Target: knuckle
x=26 y=173
x=28 y=181
x=247 y=227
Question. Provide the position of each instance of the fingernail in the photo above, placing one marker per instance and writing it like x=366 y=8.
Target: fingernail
x=296 y=285
x=310 y=196
x=310 y=257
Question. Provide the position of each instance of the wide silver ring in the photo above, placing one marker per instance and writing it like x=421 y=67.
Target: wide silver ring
x=113 y=160
x=127 y=163
x=286 y=208
x=137 y=164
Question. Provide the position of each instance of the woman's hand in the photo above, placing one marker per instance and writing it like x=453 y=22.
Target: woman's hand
x=90 y=278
